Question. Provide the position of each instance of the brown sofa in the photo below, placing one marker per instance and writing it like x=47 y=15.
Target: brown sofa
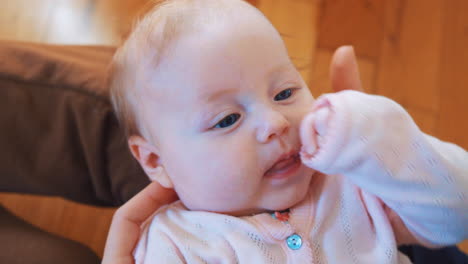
x=59 y=137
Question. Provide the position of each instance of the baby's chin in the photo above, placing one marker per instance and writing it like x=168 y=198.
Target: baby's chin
x=274 y=201
x=288 y=204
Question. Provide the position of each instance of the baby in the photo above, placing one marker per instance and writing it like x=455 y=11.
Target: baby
x=215 y=109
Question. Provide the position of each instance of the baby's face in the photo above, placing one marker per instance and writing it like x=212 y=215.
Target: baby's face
x=226 y=114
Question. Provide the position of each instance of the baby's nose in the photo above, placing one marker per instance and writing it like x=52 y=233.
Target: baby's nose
x=271 y=125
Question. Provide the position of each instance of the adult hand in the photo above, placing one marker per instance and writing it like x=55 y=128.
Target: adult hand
x=125 y=227
x=344 y=70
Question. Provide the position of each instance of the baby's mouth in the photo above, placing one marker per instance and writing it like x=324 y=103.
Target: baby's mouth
x=284 y=166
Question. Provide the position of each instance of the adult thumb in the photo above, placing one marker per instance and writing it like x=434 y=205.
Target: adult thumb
x=344 y=70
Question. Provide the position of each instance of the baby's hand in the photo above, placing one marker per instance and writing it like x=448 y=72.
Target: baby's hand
x=319 y=129
x=313 y=130
x=344 y=75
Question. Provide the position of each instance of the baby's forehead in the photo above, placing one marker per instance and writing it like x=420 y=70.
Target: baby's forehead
x=162 y=76
x=177 y=92
x=155 y=38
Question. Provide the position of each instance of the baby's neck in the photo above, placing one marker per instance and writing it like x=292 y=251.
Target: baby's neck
x=243 y=213
x=252 y=212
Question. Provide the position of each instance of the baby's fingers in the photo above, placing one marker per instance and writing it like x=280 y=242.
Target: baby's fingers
x=313 y=130
x=321 y=122
x=307 y=134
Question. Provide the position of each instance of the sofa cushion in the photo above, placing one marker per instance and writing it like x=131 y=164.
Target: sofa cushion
x=59 y=133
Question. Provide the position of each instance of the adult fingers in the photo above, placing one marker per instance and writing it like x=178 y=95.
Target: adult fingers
x=125 y=227
x=344 y=70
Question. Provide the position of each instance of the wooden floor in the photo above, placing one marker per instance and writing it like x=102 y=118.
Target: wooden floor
x=413 y=51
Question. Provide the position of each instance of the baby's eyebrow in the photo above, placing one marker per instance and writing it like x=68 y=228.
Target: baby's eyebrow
x=213 y=96
x=280 y=68
x=271 y=74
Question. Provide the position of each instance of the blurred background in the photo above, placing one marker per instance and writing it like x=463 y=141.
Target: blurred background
x=413 y=51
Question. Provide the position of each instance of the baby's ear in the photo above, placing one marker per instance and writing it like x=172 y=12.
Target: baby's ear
x=148 y=156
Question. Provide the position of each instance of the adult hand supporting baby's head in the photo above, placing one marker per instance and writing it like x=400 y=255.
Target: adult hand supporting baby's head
x=125 y=227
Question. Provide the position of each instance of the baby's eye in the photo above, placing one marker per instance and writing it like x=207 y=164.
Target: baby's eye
x=228 y=121
x=283 y=95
